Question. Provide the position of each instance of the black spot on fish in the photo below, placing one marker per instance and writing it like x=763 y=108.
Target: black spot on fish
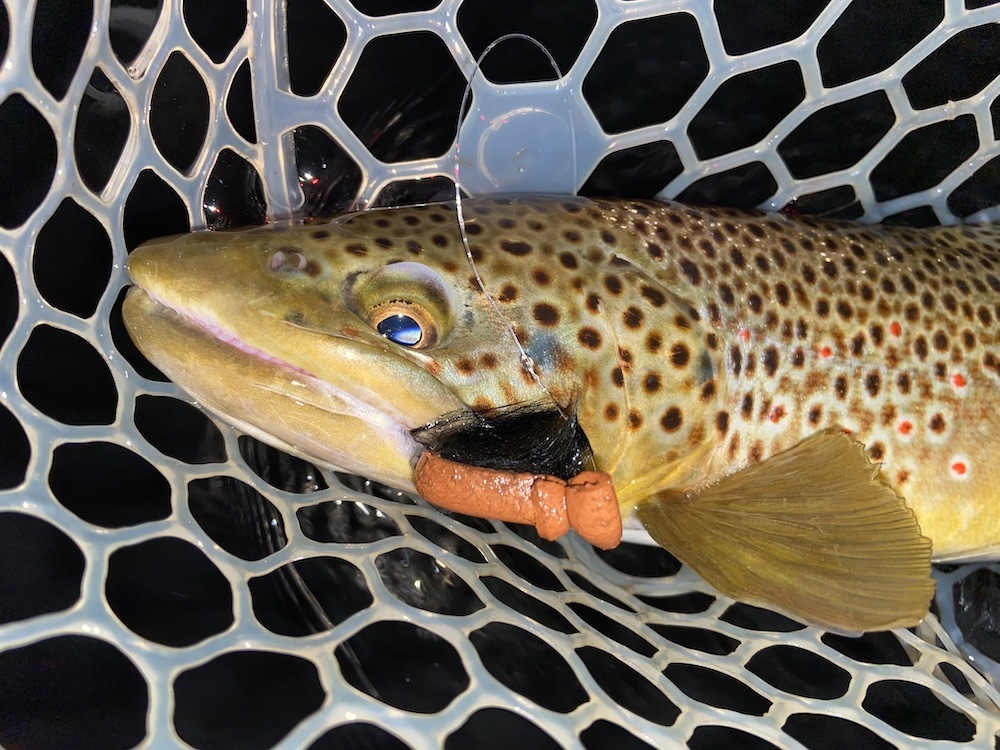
x=589 y=337
x=508 y=293
x=937 y=424
x=735 y=360
x=858 y=344
x=873 y=383
x=770 y=360
x=691 y=271
x=654 y=296
x=672 y=419
x=840 y=387
x=515 y=248
x=545 y=314
x=632 y=317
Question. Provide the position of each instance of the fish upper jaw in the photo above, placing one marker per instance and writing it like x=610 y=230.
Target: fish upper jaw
x=222 y=334
x=353 y=406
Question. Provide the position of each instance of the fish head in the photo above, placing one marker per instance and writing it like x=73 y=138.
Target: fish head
x=334 y=341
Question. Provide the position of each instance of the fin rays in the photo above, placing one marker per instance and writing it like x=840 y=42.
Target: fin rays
x=812 y=532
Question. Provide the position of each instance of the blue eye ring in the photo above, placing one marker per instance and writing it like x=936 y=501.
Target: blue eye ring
x=401 y=329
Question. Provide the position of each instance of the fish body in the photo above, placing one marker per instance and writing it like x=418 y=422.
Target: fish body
x=692 y=345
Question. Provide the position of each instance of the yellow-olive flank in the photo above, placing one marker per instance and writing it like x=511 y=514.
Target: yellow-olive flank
x=801 y=410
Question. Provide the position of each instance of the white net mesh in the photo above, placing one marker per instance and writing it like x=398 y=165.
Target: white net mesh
x=165 y=581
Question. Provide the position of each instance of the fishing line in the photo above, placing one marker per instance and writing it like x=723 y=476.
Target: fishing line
x=791 y=209
x=527 y=363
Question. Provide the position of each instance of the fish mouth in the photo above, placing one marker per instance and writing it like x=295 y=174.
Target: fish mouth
x=276 y=401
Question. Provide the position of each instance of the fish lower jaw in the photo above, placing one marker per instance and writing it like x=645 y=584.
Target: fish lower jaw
x=408 y=447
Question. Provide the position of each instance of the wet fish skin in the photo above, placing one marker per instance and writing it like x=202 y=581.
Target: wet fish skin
x=694 y=344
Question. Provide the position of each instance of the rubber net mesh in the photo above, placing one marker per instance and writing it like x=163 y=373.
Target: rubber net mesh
x=166 y=582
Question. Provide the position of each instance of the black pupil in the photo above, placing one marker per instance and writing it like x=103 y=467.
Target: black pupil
x=401 y=329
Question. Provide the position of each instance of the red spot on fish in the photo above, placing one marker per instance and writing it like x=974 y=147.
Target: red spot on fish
x=776 y=414
x=745 y=334
x=847 y=430
x=895 y=328
x=959 y=468
x=825 y=352
x=905 y=427
x=958 y=380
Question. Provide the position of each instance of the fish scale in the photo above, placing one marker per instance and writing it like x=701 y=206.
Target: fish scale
x=712 y=357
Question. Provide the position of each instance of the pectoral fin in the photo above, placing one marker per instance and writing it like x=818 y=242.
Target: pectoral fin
x=812 y=532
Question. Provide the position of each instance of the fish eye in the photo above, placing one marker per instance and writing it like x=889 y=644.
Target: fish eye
x=405 y=323
x=407 y=303
x=401 y=329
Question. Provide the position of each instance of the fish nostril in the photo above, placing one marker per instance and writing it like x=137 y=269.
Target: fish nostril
x=288 y=260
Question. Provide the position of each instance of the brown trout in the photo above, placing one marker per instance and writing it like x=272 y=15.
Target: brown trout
x=793 y=407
